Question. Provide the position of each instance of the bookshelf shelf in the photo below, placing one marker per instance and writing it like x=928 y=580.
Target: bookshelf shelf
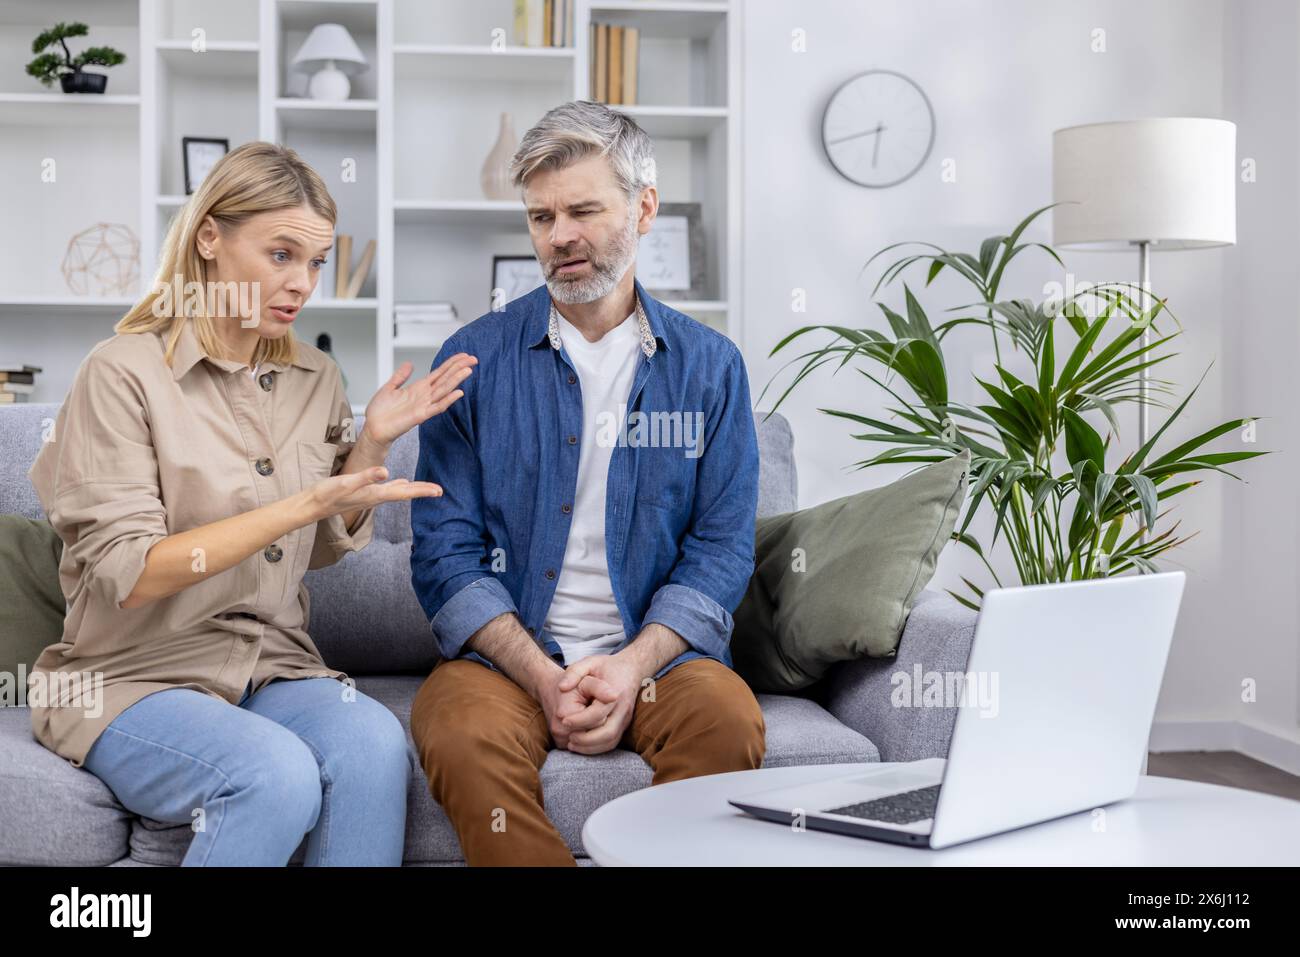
x=463 y=62
x=486 y=213
x=677 y=122
x=423 y=117
x=218 y=59
x=350 y=115
x=71 y=305
x=676 y=21
x=357 y=16
x=68 y=110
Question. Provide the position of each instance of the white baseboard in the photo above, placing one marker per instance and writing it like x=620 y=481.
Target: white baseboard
x=1269 y=746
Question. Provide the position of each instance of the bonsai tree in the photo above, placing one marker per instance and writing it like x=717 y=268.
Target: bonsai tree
x=48 y=66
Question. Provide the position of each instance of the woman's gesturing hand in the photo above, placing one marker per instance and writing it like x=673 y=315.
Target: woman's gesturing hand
x=394 y=411
x=351 y=491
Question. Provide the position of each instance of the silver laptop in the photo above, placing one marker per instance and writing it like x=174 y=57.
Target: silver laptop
x=1059 y=693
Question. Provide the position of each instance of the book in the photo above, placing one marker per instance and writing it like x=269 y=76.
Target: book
x=358 y=277
x=548 y=23
x=343 y=252
x=17 y=388
x=601 y=61
x=631 y=53
x=615 y=65
x=563 y=23
x=425 y=315
x=615 y=60
x=535 y=23
x=17 y=377
x=519 y=32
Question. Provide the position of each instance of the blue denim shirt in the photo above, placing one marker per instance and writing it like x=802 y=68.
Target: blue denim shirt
x=679 y=515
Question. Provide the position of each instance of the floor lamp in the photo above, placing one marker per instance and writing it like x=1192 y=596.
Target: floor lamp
x=1157 y=184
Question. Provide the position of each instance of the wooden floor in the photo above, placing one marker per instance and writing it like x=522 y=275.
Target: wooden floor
x=1227 y=768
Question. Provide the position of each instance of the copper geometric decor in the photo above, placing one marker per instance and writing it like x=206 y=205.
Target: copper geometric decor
x=106 y=256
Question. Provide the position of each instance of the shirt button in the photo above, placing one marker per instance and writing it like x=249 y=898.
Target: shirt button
x=550 y=573
x=572 y=379
x=266 y=380
x=566 y=508
x=573 y=440
x=264 y=466
x=273 y=553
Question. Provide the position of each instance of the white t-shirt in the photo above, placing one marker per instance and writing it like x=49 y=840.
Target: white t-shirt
x=583 y=617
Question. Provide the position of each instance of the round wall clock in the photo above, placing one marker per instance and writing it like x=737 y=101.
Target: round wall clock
x=878 y=129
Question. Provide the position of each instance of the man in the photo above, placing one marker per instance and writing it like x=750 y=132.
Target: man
x=596 y=530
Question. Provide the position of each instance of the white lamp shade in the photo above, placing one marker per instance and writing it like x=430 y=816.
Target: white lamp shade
x=1171 y=182
x=330 y=42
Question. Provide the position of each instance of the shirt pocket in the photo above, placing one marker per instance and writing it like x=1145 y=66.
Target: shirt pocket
x=315 y=462
x=667 y=478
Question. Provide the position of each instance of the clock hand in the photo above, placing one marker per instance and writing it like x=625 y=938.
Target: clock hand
x=875 y=148
x=853 y=136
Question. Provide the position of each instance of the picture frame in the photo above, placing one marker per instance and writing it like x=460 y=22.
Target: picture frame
x=199 y=154
x=670 y=259
x=515 y=276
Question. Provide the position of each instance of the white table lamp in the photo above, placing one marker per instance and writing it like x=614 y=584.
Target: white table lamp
x=1155 y=184
x=331 y=55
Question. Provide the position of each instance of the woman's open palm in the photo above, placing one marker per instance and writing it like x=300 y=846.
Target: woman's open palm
x=395 y=410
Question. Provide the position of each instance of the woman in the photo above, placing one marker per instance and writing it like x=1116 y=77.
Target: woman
x=202 y=462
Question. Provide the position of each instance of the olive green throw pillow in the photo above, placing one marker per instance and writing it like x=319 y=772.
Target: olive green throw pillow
x=836 y=582
x=32 y=606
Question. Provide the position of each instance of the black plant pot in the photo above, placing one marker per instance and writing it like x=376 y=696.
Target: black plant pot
x=82 y=82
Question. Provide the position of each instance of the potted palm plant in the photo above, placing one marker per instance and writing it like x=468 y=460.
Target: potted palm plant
x=1066 y=509
x=68 y=68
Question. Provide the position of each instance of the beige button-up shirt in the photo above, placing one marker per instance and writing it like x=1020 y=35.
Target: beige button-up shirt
x=140 y=451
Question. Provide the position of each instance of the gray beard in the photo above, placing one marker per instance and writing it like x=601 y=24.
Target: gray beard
x=606 y=272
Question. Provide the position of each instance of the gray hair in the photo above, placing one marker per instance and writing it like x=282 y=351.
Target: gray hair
x=578 y=129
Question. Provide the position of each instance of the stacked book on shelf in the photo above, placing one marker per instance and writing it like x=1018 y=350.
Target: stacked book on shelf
x=423 y=323
x=614 y=55
x=348 y=281
x=17 y=382
x=544 y=23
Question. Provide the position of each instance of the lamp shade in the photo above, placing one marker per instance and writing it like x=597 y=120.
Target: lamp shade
x=1170 y=182
x=330 y=42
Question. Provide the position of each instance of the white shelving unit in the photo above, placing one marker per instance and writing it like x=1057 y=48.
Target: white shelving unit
x=416 y=131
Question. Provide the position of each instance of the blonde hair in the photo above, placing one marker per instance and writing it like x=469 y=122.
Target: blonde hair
x=254 y=178
x=578 y=129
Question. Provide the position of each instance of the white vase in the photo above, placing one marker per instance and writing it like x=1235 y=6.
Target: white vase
x=495 y=177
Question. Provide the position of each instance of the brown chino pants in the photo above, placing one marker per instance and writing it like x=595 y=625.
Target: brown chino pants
x=482 y=741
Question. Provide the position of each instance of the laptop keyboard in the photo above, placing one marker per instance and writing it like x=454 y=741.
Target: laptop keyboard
x=907 y=807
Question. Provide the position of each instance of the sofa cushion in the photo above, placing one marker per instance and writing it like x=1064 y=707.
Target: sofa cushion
x=835 y=582
x=799 y=731
x=50 y=812
x=32 y=606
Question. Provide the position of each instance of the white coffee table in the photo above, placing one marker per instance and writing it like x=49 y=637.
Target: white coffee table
x=1167 y=822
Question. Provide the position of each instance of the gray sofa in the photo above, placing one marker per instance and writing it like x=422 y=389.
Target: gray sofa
x=366 y=621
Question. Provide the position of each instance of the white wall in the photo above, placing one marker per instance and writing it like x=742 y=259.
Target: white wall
x=1259 y=351
x=1002 y=76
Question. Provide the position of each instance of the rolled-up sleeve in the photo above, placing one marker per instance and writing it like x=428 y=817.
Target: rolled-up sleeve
x=449 y=562
x=333 y=538
x=96 y=476
x=717 y=551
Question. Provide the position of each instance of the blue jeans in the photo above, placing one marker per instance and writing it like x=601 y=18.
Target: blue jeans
x=305 y=756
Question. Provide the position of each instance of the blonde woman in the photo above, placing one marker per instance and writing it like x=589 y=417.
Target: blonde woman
x=201 y=463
